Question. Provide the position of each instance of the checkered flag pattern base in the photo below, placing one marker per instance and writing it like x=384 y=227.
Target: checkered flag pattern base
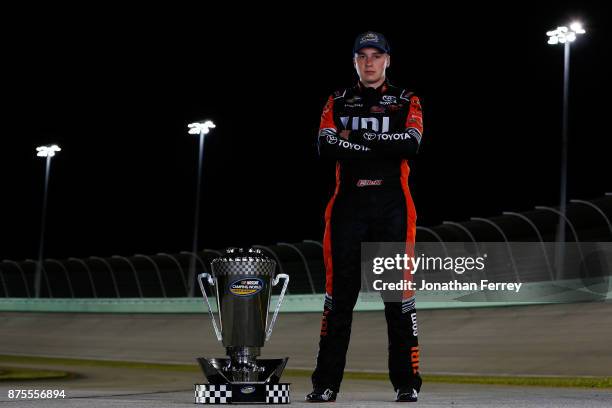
x=233 y=393
x=213 y=394
x=277 y=394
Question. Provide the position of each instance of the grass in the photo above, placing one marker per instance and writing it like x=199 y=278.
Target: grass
x=25 y=374
x=98 y=363
x=582 y=382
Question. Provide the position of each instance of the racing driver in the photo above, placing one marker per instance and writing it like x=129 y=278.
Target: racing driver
x=370 y=130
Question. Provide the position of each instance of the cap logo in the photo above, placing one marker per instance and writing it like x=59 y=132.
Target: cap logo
x=369 y=37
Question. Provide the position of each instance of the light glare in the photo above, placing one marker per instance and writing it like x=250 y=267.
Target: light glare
x=577 y=27
x=47 y=151
x=564 y=35
x=201 y=128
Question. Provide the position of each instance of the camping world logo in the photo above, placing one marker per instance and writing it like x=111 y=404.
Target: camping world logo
x=246 y=287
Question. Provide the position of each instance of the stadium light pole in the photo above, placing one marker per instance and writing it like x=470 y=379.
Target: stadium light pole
x=564 y=35
x=48 y=152
x=202 y=129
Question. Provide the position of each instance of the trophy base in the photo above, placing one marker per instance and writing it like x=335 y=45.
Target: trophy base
x=225 y=387
x=242 y=393
x=215 y=372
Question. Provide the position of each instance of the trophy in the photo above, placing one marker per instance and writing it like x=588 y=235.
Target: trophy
x=243 y=281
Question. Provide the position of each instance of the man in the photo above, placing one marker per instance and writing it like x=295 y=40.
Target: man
x=370 y=130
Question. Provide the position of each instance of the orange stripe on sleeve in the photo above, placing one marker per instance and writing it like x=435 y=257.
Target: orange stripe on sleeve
x=327 y=118
x=415 y=114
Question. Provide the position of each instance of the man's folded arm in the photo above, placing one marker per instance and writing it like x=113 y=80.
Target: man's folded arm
x=403 y=143
x=333 y=146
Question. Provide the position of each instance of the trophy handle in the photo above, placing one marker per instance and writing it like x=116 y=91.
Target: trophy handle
x=211 y=282
x=280 y=301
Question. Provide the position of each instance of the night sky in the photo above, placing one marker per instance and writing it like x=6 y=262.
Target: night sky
x=117 y=89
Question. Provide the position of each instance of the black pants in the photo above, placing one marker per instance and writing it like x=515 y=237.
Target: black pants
x=361 y=215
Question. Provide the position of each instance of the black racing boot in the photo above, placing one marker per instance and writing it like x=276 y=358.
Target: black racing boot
x=321 y=395
x=406 y=394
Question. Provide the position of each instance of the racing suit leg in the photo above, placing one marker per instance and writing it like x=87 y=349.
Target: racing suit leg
x=394 y=225
x=403 y=345
x=346 y=227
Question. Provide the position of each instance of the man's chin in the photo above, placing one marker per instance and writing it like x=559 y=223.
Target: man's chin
x=370 y=81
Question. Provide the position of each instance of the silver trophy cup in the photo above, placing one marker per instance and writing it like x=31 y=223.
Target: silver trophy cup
x=242 y=282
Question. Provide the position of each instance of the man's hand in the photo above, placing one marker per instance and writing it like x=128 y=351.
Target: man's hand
x=356 y=136
x=353 y=136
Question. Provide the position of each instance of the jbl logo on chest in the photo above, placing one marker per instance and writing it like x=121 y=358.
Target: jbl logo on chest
x=373 y=124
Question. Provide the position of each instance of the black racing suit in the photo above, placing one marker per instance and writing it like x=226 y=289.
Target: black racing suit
x=371 y=202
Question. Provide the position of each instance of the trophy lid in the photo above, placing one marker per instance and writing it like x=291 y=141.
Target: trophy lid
x=243 y=255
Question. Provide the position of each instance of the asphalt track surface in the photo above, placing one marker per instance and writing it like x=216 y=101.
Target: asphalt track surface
x=110 y=389
x=566 y=340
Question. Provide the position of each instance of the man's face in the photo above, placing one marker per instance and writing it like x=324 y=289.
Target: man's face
x=371 y=64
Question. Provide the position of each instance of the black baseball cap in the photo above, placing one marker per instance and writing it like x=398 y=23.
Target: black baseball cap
x=371 y=39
